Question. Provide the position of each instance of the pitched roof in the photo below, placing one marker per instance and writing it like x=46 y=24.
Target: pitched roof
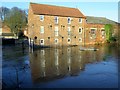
x=42 y=9
x=99 y=20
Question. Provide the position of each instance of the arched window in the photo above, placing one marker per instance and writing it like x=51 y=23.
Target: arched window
x=56 y=19
x=35 y=38
x=80 y=20
x=80 y=30
x=41 y=17
x=69 y=40
x=69 y=20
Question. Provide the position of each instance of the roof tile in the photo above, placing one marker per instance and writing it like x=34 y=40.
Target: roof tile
x=42 y=9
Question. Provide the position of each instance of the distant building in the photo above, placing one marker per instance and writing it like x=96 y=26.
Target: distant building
x=6 y=33
x=6 y=36
x=95 y=29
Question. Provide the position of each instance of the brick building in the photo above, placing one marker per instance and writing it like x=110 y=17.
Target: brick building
x=94 y=34
x=62 y=26
x=55 y=26
x=5 y=31
x=95 y=29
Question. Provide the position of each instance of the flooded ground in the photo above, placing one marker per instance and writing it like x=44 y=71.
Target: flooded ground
x=65 y=67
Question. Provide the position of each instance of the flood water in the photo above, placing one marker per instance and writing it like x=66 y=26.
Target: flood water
x=65 y=67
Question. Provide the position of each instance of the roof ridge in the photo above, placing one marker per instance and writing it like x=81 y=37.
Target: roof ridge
x=103 y=20
x=96 y=16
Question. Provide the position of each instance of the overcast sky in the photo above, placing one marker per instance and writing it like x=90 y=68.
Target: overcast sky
x=99 y=8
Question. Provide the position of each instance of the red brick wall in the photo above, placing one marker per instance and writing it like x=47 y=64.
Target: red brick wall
x=34 y=20
x=98 y=39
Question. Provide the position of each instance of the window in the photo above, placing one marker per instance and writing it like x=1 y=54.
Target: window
x=41 y=41
x=93 y=31
x=80 y=20
x=56 y=41
x=25 y=32
x=48 y=37
x=41 y=17
x=50 y=26
x=35 y=38
x=69 y=20
x=42 y=29
x=56 y=31
x=103 y=32
x=69 y=31
x=69 y=40
x=80 y=30
x=56 y=20
x=80 y=39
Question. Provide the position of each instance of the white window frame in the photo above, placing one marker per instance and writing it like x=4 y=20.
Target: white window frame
x=93 y=36
x=56 y=19
x=93 y=28
x=80 y=39
x=69 y=39
x=41 y=17
x=42 y=43
x=69 y=22
x=103 y=36
x=41 y=29
x=56 y=39
x=80 y=21
x=25 y=32
x=69 y=30
x=56 y=31
x=81 y=30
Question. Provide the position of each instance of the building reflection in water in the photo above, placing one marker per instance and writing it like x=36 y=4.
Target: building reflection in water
x=56 y=54
x=42 y=53
x=52 y=63
x=69 y=59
